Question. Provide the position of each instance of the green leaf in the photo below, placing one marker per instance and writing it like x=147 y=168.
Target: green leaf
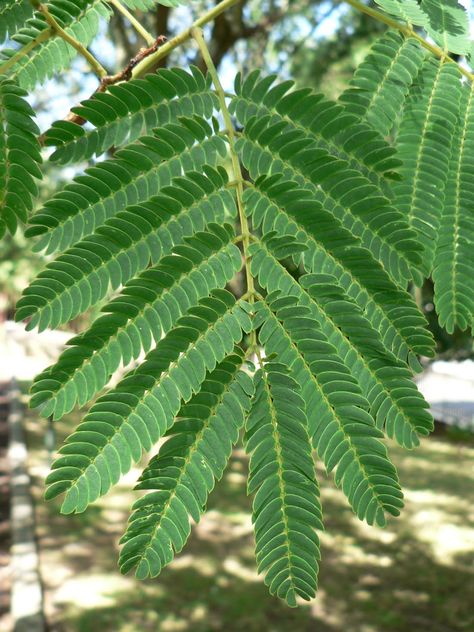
x=381 y=82
x=394 y=401
x=130 y=110
x=342 y=431
x=134 y=175
x=183 y=473
x=424 y=144
x=13 y=14
x=334 y=221
x=146 y=5
x=408 y=10
x=148 y=307
x=286 y=507
x=79 y=19
x=141 y=408
x=123 y=247
x=280 y=205
x=272 y=143
x=448 y=25
x=19 y=156
x=454 y=259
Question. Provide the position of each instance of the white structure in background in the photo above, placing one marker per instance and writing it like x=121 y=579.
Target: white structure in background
x=26 y=594
x=447 y=386
x=24 y=354
x=449 y=389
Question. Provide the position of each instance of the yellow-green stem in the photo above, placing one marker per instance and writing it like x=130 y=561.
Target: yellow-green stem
x=408 y=31
x=196 y=33
x=148 y=37
x=182 y=37
x=14 y=59
x=72 y=41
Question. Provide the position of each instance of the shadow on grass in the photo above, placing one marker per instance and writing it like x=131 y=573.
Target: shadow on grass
x=415 y=575
x=355 y=596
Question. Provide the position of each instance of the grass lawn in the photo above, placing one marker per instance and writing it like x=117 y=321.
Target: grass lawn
x=415 y=575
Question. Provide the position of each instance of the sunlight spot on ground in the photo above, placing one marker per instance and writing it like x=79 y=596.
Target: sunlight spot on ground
x=41 y=471
x=62 y=572
x=437 y=465
x=320 y=609
x=411 y=596
x=446 y=507
x=369 y=580
x=432 y=444
x=428 y=497
x=184 y=560
x=333 y=539
x=199 y=613
x=334 y=494
x=375 y=533
x=130 y=478
x=148 y=619
x=173 y=625
x=217 y=526
x=237 y=465
x=203 y=565
x=92 y=591
x=350 y=553
x=76 y=549
x=236 y=478
x=222 y=581
x=447 y=540
x=233 y=566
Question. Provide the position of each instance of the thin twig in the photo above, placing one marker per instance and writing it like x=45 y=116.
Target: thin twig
x=182 y=37
x=408 y=31
x=14 y=59
x=150 y=61
x=126 y=73
x=109 y=80
x=96 y=66
x=148 y=37
x=196 y=33
x=198 y=36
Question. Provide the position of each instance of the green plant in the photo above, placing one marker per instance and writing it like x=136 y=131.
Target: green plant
x=337 y=208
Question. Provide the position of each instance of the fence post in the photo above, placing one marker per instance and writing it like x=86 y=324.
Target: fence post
x=26 y=597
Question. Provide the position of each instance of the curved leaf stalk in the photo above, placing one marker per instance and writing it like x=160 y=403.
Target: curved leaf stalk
x=148 y=37
x=237 y=171
x=182 y=37
x=408 y=31
x=10 y=63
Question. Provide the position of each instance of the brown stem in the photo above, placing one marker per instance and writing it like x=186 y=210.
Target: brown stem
x=109 y=80
x=126 y=73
